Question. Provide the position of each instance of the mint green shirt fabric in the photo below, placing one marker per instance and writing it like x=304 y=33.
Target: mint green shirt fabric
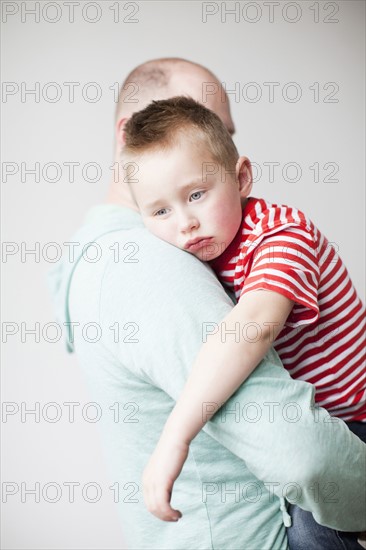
x=151 y=303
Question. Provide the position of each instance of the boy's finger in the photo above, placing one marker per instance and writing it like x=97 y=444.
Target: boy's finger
x=169 y=515
x=157 y=501
x=164 y=509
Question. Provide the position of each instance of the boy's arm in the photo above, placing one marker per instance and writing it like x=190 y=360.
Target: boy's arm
x=225 y=360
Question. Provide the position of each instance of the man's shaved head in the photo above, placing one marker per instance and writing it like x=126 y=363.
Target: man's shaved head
x=167 y=77
x=154 y=74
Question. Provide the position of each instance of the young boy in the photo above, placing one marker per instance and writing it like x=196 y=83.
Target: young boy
x=293 y=291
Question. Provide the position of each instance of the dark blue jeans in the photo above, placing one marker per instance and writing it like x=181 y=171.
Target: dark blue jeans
x=306 y=534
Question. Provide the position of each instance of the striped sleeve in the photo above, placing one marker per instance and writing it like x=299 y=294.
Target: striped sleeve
x=287 y=262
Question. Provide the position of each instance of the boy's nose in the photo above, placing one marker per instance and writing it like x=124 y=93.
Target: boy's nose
x=188 y=223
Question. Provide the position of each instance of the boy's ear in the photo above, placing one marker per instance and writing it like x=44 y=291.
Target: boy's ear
x=243 y=172
x=120 y=134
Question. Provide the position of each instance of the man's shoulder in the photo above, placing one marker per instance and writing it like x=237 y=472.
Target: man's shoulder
x=113 y=243
x=107 y=218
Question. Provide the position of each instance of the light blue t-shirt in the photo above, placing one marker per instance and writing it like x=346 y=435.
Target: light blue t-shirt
x=148 y=307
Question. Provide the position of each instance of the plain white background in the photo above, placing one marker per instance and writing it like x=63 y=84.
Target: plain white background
x=312 y=52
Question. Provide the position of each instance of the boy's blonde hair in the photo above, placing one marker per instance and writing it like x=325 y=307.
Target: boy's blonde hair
x=161 y=124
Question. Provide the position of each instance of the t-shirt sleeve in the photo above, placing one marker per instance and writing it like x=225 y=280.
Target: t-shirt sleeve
x=287 y=262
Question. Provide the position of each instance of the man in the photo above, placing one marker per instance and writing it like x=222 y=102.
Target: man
x=151 y=306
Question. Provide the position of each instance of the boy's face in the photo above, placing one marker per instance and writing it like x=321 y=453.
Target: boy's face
x=187 y=199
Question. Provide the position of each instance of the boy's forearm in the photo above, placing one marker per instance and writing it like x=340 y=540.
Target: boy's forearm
x=226 y=360
x=220 y=368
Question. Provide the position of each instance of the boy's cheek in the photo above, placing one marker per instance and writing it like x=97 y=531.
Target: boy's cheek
x=227 y=222
x=224 y=216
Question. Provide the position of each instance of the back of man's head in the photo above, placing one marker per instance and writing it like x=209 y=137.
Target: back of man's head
x=168 y=77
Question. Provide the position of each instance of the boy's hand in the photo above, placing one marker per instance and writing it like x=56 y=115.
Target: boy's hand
x=162 y=470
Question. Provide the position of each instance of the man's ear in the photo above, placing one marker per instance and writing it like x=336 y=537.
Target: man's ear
x=120 y=134
x=243 y=172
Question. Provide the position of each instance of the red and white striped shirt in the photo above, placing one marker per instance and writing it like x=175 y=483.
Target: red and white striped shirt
x=323 y=341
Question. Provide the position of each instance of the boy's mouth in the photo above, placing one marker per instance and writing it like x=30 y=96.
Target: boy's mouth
x=196 y=244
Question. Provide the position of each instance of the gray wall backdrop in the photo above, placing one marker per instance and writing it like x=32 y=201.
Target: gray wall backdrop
x=297 y=69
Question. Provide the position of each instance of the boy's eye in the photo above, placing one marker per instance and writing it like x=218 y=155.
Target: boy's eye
x=197 y=195
x=161 y=212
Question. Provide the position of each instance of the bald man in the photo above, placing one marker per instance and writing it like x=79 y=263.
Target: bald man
x=151 y=306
